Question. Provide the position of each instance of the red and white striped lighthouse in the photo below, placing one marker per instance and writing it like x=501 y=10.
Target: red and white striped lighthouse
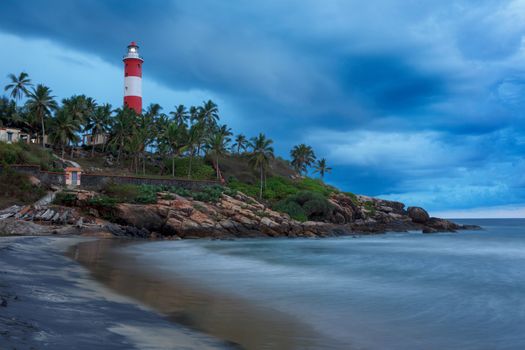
x=133 y=78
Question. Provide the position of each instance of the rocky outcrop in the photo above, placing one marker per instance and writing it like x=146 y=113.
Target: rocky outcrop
x=243 y=216
x=231 y=216
x=418 y=215
x=239 y=216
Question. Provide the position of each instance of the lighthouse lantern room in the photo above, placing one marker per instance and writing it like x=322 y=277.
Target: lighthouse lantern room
x=133 y=78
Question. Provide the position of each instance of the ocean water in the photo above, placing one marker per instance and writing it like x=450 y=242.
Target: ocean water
x=395 y=291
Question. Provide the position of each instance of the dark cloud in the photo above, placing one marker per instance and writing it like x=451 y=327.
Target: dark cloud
x=390 y=83
x=291 y=68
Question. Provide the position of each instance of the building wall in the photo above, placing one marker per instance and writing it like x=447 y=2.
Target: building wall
x=99 y=139
x=4 y=135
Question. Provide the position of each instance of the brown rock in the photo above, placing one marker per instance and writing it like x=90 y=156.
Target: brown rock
x=418 y=215
x=140 y=216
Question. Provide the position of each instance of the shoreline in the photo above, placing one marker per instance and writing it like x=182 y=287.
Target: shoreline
x=51 y=301
x=234 y=319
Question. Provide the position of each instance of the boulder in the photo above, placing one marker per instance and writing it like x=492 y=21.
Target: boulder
x=140 y=216
x=418 y=215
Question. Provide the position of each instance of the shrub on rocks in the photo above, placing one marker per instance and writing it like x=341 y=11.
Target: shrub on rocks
x=65 y=198
x=306 y=205
x=293 y=209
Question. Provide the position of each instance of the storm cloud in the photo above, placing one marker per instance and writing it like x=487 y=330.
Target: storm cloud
x=419 y=101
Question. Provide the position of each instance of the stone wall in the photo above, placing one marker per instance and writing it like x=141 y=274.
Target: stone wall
x=46 y=177
x=98 y=181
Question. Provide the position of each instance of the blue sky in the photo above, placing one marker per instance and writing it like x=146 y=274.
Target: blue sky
x=418 y=101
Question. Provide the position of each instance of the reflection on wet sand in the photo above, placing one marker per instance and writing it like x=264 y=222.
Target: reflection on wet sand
x=245 y=325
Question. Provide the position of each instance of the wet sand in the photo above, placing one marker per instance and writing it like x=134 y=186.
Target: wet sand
x=53 y=303
x=238 y=322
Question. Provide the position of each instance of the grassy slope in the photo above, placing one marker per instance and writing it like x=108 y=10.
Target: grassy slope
x=17 y=189
x=21 y=153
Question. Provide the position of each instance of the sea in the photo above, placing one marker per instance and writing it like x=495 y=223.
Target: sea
x=403 y=291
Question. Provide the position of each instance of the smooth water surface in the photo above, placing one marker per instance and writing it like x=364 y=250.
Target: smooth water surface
x=393 y=291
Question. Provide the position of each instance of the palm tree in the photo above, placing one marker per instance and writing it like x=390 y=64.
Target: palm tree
x=302 y=157
x=241 y=143
x=175 y=137
x=159 y=129
x=209 y=114
x=150 y=121
x=193 y=141
x=224 y=130
x=180 y=115
x=121 y=129
x=216 y=146
x=63 y=129
x=41 y=103
x=193 y=114
x=9 y=113
x=98 y=124
x=153 y=111
x=81 y=108
x=260 y=155
x=19 y=85
x=321 y=168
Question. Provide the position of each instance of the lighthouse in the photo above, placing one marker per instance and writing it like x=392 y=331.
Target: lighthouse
x=133 y=78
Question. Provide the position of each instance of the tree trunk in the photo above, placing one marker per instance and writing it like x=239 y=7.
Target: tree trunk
x=119 y=153
x=189 y=166
x=173 y=165
x=43 y=132
x=217 y=165
x=143 y=163
x=63 y=151
x=261 y=187
x=93 y=147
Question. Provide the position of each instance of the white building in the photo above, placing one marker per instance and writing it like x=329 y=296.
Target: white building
x=94 y=140
x=11 y=135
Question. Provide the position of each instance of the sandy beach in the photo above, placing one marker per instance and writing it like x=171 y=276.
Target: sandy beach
x=51 y=302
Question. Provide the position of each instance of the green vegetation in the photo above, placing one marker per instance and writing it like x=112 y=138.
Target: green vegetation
x=144 y=194
x=65 y=198
x=322 y=168
x=16 y=188
x=303 y=157
x=184 y=143
x=306 y=205
x=150 y=142
x=278 y=188
x=21 y=153
x=200 y=170
x=304 y=199
x=370 y=206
